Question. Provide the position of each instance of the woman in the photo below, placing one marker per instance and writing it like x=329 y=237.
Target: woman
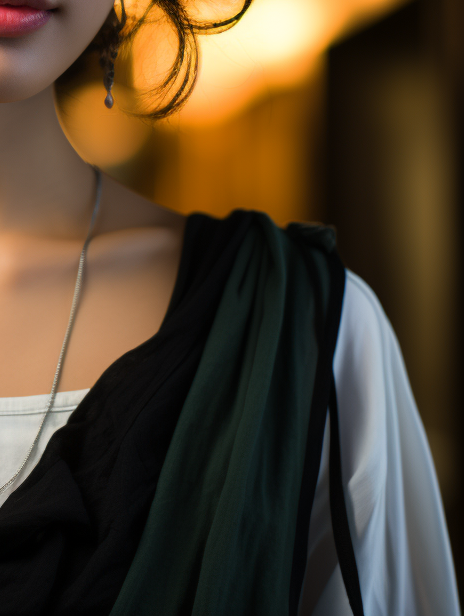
x=185 y=444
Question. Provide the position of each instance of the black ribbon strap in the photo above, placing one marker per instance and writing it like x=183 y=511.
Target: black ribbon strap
x=340 y=526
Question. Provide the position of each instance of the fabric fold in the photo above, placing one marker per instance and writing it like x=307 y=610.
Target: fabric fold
x=183 y=482
x=69 y=532
x=221 y=531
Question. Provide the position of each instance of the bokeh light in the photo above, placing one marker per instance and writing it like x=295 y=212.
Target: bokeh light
x=275 y=44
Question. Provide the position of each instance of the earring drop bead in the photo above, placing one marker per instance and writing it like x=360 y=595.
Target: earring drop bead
x=108 y=56
x=109 y=100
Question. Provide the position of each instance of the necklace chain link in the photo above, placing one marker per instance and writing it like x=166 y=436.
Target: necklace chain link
x=77 y=290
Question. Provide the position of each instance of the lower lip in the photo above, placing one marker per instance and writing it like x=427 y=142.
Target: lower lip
x=19 y=20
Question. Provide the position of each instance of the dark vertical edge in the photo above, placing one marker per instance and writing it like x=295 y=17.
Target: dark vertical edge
x=318 y=413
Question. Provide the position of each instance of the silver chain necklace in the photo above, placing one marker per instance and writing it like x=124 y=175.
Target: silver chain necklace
x=77 y=290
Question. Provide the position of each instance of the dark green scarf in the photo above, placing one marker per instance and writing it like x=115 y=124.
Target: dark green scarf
x=228 y=526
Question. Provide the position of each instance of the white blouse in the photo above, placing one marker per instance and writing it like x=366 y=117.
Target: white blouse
x=393 y=501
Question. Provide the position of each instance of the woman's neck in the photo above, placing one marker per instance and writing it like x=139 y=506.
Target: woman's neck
x=46 y=189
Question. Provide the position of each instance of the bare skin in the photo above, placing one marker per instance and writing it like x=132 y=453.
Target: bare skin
x=47 y=194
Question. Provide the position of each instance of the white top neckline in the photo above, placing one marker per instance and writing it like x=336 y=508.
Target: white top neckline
x=36 y=404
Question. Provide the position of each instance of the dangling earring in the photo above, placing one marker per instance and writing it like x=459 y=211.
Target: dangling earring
x=109 y=53
x=108 y=56
x=109 y=43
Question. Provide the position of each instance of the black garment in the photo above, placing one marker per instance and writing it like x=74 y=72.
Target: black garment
x=69 y=533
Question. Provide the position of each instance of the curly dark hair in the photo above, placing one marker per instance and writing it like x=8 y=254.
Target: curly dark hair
x=177 y=85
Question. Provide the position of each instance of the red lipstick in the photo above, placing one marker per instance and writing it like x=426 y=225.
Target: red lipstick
x=18 y=19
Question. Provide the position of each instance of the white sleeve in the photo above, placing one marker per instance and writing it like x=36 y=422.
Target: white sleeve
x=393 y=502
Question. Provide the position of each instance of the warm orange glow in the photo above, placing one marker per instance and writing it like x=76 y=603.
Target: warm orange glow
x=276 y=33
x=278 y=44
x=113 y=137
x=275 y=45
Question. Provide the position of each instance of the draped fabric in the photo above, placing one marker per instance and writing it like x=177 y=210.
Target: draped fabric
x=183 y=482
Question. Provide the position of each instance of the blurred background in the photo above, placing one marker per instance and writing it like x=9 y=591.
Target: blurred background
x=346 y=112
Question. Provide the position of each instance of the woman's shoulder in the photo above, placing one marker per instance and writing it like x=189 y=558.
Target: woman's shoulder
x=388 y=471
x=367 y=356
x=362 y=311
x=367 y=343
x=362 y=375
